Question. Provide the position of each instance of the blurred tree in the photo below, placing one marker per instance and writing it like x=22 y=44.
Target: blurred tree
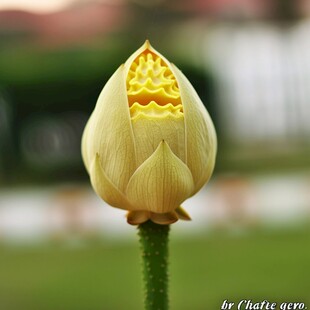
x=286 y=10
x=7 y=154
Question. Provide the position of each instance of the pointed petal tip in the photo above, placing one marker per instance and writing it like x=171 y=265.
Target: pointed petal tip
x=163 y=145
x=148 y=46
x=182 y=214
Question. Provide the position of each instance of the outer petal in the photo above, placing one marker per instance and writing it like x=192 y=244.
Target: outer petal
x=105 y=188
x=201 y=143
x=161 y=183
x=139 y=217
x=109 y=133
x=84 y=146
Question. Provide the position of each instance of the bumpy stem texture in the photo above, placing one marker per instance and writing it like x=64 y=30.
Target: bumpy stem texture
x=154 y=248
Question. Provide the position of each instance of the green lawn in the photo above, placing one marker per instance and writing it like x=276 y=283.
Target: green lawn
x=204 y=271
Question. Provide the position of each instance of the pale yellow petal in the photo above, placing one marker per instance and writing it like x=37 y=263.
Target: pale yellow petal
x=109 y=132
x=161 y=183
x=84 y=146
x=105 y=188
x=150 y=129
x=138 y=217
x=201 y=143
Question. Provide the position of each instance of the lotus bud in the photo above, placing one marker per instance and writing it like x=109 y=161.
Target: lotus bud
x=150 y=143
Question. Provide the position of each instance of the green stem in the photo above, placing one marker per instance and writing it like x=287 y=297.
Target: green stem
x=154 y=249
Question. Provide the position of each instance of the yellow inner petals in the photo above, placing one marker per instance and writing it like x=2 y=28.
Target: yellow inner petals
x=155 y=111
x=152 y=89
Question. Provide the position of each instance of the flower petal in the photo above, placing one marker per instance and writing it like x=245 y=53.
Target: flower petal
x=138 y=217
x=201 y=143
x=150 y=130
x=161 y=183
x=164 y=218
x=105 y=188
x=84 y=146
x=109 y=133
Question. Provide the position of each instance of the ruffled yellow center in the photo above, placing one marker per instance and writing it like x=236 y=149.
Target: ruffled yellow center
x=152 y=89
x=155 y=111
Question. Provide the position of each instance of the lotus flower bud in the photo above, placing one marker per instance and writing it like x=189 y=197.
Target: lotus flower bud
x=150 y=143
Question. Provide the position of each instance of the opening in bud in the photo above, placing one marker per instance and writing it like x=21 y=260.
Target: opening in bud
x=152 y=89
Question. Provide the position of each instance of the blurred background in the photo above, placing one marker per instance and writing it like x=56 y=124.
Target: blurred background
x=61 y=247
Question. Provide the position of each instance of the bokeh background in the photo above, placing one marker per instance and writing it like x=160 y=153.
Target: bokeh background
x=63 y=248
